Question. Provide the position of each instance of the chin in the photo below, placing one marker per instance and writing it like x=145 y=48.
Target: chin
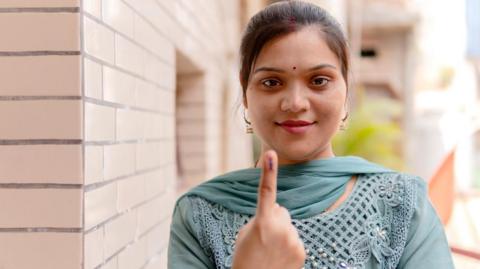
x=296 y=154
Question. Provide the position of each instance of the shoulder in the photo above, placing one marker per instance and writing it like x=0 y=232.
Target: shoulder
x=195 y=209
x=397 y=184
x=397 y=194
x=399 y=177
x=186 y=210
x=186 y=204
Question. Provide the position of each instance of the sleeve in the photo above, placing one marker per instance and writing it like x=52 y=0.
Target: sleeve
x=184 y=250
x=427 y=245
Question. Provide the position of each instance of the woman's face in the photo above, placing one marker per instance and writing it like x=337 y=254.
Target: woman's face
x=296 y=77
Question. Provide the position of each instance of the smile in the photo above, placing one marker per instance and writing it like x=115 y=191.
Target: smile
x=296 y=129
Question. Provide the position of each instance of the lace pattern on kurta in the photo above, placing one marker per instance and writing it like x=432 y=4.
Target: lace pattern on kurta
x=370 y=226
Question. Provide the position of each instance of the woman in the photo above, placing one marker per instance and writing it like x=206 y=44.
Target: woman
x=302 y=206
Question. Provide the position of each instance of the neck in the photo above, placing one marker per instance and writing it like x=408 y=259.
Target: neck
x=321 y=154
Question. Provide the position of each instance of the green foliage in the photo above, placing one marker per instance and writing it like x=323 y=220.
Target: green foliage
x=373 y=132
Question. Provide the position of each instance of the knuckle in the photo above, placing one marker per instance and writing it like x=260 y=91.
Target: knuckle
x=292 y=241
x=265 y=190
x=258 y=224
x=300 y=253
x=283 y=211
x=265 y=225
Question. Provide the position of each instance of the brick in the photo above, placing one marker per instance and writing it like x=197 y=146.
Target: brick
x=111 y=264
x=131 y=191
x=150 y=38
x=99 y=122
x=51 y=119
x=47 y=75
x=155 y=182
x=94 y=7
x=119 y=232
x=93 y=79
x=130 y=124
x=118 y=86
x=40 y=208
x=93 y=164
x=99 y=41
x=149 y=155
x=159 y=72
x=93 y=248
x=116 y=14
x=155 y=126
x=39 y=3
x=119 y=160
x=40 y=31
x=129 y=56
x=41 y=250
x=41 y=164
x=157 y=238
x=155 y=211
x=100 y=204
x=134 y=255
x=148 y=96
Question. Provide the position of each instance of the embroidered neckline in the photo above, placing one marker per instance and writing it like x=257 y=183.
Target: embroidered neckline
x=339 y=208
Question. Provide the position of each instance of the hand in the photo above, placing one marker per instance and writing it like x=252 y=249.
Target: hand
x=269 y=240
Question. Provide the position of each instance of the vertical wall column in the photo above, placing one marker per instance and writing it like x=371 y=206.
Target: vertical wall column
x=40 y=135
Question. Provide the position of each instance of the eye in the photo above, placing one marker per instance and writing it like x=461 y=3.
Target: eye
x=270 y=82
x=320 y=81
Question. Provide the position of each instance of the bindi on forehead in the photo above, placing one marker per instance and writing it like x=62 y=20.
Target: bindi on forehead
x=292 y=21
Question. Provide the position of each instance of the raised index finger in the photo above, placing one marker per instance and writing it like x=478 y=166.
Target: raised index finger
x=267 y=187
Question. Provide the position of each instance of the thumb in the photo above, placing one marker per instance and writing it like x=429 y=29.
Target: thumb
x=267 y=187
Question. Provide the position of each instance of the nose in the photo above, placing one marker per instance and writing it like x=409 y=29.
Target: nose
x=295 y=100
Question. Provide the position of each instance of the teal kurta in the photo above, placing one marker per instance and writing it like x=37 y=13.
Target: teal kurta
x=386 y=222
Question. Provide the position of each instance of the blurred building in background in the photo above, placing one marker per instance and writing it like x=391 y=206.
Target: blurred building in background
x=112 y=109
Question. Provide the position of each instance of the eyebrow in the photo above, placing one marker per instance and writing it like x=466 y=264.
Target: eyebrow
x=273 y=69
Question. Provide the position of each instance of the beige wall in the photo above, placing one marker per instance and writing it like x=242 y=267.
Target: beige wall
x=101 y=103
x=41 y=160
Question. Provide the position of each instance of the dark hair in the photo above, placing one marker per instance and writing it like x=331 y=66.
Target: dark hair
x=285 y=17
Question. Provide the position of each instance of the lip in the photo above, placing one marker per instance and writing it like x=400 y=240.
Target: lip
x=296 y=127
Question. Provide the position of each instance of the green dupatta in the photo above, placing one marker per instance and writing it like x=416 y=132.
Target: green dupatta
x=305 y=189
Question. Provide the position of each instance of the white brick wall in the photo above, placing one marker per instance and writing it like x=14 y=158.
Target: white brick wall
x=149 y=67
x=97 y=98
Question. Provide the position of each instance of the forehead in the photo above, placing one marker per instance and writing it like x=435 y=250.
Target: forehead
x=304 y=48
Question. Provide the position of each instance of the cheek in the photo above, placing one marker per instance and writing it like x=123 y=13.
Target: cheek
x=328 y=107
x=260 y=115
x=333 y=103
x=260 y=108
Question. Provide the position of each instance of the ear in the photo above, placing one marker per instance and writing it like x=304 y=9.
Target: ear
x=245 y=104
x=346 y=105
x=345 y=112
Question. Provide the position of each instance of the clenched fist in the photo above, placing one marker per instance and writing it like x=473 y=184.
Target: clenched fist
x=269 y=240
